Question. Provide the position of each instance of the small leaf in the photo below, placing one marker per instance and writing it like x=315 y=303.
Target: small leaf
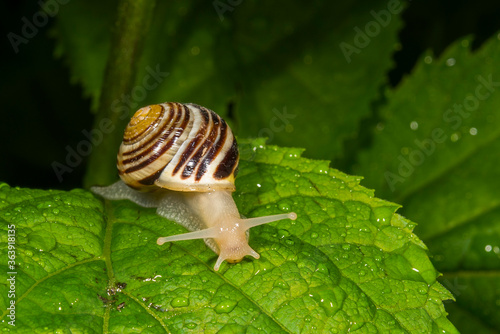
x=348 y=263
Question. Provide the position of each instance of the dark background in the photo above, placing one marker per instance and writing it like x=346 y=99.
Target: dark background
x=43 y=112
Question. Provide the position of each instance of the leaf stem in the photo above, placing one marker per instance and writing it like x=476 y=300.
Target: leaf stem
x=132 y=23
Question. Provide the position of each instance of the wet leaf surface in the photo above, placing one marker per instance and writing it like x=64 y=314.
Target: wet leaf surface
x=348 y=263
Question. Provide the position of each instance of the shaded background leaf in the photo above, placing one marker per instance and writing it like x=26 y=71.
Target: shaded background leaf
x=198 y=54
x=437 y=147
x=237 y=67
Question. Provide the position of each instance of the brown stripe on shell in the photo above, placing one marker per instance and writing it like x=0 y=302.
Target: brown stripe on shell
x=150 y=126
x=207 y=144
x=214 y=150
x=150 y=180
x=188 y=151
x=158 y=149
x=229 y=164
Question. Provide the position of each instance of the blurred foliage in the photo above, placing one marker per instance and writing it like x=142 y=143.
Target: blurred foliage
x=437 y=153
x=260 y=61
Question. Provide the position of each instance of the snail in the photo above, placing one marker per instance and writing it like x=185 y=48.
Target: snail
x=183 y=159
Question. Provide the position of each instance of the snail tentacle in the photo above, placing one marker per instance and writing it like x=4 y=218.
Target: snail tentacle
x=201 y=234
x=251 y=222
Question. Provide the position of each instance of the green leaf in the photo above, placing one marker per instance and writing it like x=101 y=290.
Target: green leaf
x=348 y=263
x=445 y=171
x=286 y=76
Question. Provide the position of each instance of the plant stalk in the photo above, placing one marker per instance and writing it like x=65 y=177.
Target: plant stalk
x=132 y=24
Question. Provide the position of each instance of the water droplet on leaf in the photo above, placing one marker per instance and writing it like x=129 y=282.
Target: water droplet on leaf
x=322 y=268
x=283 y=233
x=225 y=306
x=180 y=302
x=281 y=284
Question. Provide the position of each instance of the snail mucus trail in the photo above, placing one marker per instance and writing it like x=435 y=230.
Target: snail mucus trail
x=182 y=160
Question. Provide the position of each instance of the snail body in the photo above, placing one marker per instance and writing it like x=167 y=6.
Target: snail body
x=182 y=159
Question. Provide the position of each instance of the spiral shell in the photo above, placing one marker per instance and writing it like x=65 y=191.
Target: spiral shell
x=182 y=147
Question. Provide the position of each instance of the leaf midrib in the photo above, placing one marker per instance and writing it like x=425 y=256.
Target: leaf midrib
x=110 y=221
x=461 y=223
x=437 y=177
x=472 y=273
x=445 y=172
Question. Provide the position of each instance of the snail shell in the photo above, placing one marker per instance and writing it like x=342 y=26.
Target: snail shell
x=182 y=159
x=182 y=147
